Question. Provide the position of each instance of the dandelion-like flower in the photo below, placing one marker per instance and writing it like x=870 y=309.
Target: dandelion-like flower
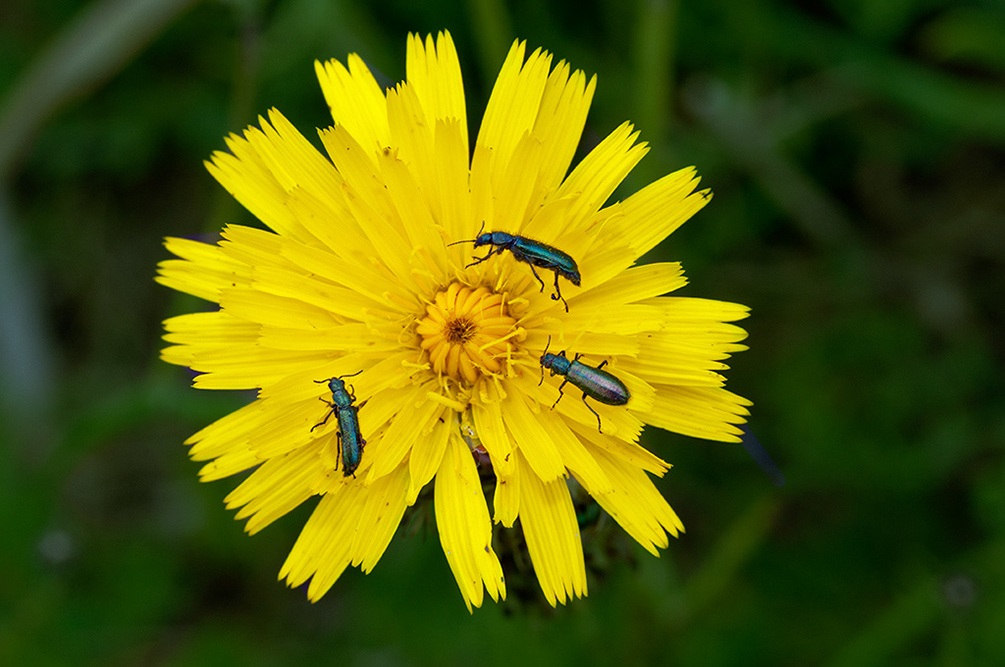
x=364 y=301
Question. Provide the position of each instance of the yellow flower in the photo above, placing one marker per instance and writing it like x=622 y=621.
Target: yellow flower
x=358 y=277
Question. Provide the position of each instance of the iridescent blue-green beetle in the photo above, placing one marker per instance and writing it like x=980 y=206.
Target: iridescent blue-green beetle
x=350 y=440
x=533 y=252
x=595 y=382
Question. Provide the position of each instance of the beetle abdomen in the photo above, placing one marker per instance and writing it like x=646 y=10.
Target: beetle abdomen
x=599 y=384
x=351 y=439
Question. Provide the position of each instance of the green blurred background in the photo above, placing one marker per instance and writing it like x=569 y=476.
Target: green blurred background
x=856 y=150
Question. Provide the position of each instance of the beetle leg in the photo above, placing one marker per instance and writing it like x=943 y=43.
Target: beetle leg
x=338 y=450
x=479 y=260
x=333 y=407
x=593 y=411
x=602 y=364
x=560 y=394
x=535 y=275
x=558 y=292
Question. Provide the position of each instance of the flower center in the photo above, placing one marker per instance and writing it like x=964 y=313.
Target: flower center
x=468 y=332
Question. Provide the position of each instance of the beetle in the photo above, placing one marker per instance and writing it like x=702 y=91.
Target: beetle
x=595 y=382
x=533 y=252
x=350 y=440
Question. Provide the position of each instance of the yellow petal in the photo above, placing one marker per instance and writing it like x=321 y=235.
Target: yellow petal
x=515 y=186
x=328 y=217
x=271 y=309
x=386 y=501
x=527 y=431
x=415 y=415
x=291 y=427
x=347 y=338
x=462 y=520
x=292 y=159
x=435 y=73
x=203 y=270
x=491 y=431
x=702 y=412
x=629 y=452
x=228 y=464
x=323 y=548
x=406 y=187
x=453 y=190
x=277 y=487
x=594 y=180
x=584 y=342
x=367 y=200
x=511 y=111
x=506 y=499
x=640 y=222
x=207 y=332
x=635 y=503
x=642 y=393
x=258 y=173
x=356 y=101
x=560 y=120
x=350 y=273
x=574 y=455
x=248 y=366
x=227 y=434
x=311 y=383
x=700 y=311
x=340 y=301
x=427 y=452
x=617 y=318
x=351 y=525
x=633 y=284
x=379 y=405
x=552 y=533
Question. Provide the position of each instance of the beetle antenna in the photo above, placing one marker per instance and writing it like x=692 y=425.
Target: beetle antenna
x=470 y=240
x=542 y=365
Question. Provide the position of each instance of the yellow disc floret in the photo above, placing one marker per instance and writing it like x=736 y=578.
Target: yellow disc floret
x=468 y=332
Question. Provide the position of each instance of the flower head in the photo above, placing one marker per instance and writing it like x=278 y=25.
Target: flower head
x=365 y=273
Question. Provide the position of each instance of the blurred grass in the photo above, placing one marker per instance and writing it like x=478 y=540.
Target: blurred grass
x=855 y=150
